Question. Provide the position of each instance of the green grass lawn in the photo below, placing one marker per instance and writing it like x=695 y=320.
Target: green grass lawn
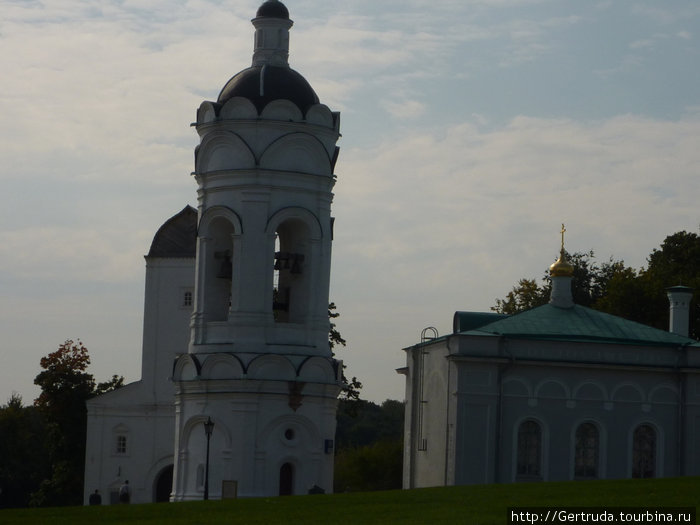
x=484 y=504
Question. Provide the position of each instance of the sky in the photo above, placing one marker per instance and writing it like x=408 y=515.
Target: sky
x=471 y=130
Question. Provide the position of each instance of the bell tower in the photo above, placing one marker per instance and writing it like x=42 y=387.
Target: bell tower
x=259 y=363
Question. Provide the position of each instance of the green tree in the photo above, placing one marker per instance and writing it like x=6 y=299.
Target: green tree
x=369 y=451
x=351 y=388
x=65 y=387
x=590 y=283
x=617 y=289
x=23 y=463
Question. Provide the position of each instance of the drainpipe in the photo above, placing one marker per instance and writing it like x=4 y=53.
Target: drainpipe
x=502 y=369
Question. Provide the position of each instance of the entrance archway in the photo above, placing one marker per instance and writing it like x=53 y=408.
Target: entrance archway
x=163 y=485
x=287 y=479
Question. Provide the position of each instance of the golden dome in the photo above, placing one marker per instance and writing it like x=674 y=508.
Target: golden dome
x=562 y=267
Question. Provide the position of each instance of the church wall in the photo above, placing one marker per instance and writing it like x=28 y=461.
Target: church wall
x=425 y=461
x=615 y=400
x=169 y=297
x=267 y=425
x=147 y=432
x=476 y=422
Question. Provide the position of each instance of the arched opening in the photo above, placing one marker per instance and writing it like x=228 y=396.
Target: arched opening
x=586 y=451
x=290 y=301
x=287 y=479
x=219 y=270
x=529 y=458
x=644 y=452
x=163 y=485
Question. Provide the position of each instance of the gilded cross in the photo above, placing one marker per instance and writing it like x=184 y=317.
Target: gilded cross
x=563 y=230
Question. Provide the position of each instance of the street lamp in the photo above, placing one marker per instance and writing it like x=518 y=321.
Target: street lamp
x=208 y=429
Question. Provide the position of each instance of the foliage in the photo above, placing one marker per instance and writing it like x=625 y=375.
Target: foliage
x=373 y=467
x=22 y=462
x=471 y=504
x=65 y=387
x=590 y=283
x=351 y=388
x=617 y=289
x=369 y=439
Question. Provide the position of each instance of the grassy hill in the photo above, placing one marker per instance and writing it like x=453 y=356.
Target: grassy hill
x=482 y=505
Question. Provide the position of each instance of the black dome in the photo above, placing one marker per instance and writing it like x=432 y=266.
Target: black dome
x=277 y=83
x=177 y=238
x=273 y=9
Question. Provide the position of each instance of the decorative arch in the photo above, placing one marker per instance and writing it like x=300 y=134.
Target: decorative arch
x=321 y=115
x=629 y=392
x=206 y=112
x=516 y=387
x=222 y=212
x=665 y=393
x=590 y=391
x=220 y=428
x=282 y=110
x=317 y=369
x=239 y=108
x=222 y=366
x=299 y=152
x=273 y=367
x=186 y=368
x=299 y=214
x=552 y=389
x=224 y=150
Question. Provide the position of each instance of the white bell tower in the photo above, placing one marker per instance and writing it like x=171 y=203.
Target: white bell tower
x=259 y=363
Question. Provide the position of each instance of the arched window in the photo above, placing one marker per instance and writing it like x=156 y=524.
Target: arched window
x=529 y=457
x=586 y=451
x=291 y=279
x=644 y=452
x=219 y=270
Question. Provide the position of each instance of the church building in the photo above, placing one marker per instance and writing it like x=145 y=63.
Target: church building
x=239 y=387
x=558 y=392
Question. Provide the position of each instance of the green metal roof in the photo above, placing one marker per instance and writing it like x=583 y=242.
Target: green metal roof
x=579 y=324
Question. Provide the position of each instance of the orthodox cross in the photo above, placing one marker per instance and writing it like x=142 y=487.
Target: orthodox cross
x=563 y=230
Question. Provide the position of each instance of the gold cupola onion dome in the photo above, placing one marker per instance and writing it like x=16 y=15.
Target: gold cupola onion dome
x=561 y=267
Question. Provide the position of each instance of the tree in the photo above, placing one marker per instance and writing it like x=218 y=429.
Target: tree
x=617 y=289
x=351 y=389
x=590 y=284
x=23 y=464
x=369 y=451
x=65 y=387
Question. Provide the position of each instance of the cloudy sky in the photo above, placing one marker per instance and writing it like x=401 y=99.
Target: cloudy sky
x=471 y=130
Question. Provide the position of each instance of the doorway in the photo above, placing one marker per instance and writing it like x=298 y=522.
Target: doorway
x=163 y=485
x=287 y=479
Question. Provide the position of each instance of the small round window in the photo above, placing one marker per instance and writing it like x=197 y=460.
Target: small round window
x=289 y=434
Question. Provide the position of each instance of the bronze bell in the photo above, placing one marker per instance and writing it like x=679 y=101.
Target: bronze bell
x=226 y=270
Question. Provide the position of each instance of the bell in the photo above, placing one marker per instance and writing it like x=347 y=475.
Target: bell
x=226 y=270
x=296 y=263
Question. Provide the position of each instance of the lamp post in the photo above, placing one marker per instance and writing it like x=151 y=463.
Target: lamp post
x=208 y=429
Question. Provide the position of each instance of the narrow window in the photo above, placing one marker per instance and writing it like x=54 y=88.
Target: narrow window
x=187 y=298
x=586 y=452
x=644 y=452
x=121 y=444
x=529 y=460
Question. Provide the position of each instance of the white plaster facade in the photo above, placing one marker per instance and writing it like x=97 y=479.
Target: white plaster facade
x=130 y=430
x=259 y=363
x=251 y=349
x=559 y=392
